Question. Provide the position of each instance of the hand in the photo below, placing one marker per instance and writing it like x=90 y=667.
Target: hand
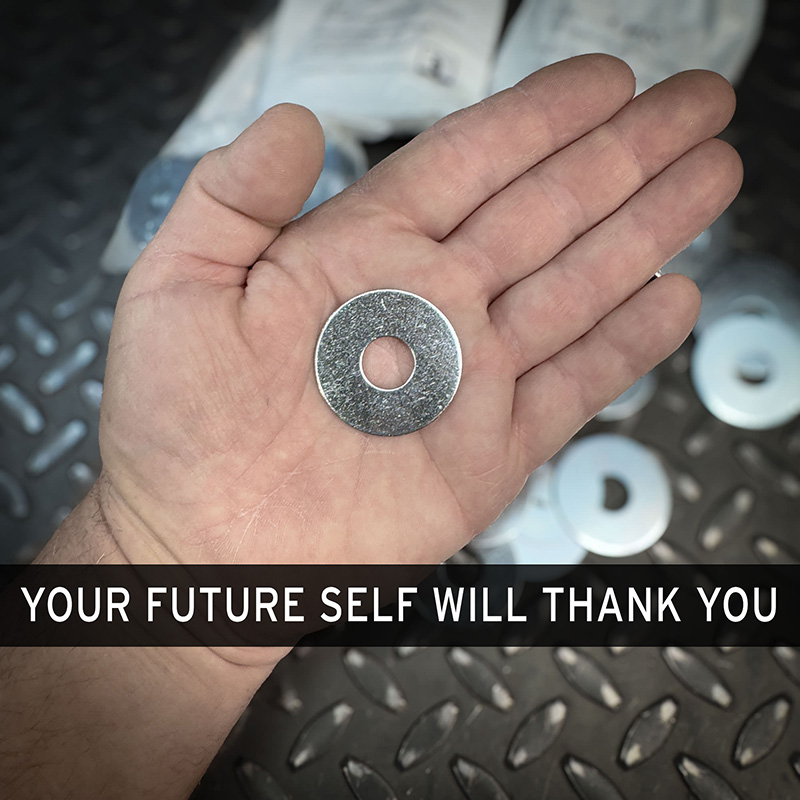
x=532 y=220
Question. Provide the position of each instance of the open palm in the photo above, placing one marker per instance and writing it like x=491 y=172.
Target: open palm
x=532 y=220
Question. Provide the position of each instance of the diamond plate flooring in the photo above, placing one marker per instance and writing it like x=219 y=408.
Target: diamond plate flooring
x=92 y=91
x=533 y=723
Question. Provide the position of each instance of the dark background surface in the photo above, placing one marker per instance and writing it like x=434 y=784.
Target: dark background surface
x=91 y=91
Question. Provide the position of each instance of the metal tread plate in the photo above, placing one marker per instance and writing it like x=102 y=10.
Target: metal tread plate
x=92 y=91
x=534 y=723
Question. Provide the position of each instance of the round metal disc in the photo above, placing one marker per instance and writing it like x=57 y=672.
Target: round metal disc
x=423 y=328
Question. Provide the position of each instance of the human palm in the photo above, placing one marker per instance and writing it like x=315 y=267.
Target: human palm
x=533 y=221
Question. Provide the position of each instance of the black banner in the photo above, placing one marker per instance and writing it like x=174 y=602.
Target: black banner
x=613 y=605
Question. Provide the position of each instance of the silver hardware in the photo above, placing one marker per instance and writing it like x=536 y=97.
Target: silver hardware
x=428 y=334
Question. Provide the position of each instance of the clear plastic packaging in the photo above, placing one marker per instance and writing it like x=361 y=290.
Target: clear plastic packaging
x=656 y=38
x=366 y=70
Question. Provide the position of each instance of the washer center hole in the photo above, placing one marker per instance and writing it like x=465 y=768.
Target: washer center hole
x=387 y=362
x=755 y=367
x=615 y=495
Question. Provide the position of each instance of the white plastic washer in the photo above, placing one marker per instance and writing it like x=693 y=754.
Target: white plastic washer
x=529 y=531
x=632 y=401
x=579 y=493
x=753 y=284
x=741 y=345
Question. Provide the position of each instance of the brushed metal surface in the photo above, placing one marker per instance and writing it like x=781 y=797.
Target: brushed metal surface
x=433 y=381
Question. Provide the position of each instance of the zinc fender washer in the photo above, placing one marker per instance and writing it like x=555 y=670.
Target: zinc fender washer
x=339 y=362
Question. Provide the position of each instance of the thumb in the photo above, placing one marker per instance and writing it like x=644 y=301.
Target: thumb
x=235 y=202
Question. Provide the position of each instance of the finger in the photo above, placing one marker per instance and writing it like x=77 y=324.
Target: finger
x=551 y=205
x=556 y=398
x=444 y=174
x=556 y=305
x=236 y=201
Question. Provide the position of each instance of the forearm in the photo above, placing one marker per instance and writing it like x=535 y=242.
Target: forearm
x=114 y=722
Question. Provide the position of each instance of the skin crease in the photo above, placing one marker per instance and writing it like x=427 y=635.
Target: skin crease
x=533 y=220
x=216 y=444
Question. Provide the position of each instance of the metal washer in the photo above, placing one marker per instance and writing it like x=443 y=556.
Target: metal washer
x=428 y=334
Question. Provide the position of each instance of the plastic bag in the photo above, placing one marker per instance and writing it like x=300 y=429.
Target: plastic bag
x=366 y=71
x=228 y=106
x=656 y=38
x=392 y=67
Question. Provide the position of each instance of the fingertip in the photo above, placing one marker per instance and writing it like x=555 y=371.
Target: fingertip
x=614 y=68
x=713 y=169
x=291 y=131
x=715 y=81
x=730 y=166
x=270 y=169
x=691 y=296
x=238 y=198
x=711 y=89
x=610 y=75
x=680 y=293
x=299 y=119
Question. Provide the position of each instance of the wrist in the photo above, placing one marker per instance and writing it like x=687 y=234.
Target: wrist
x=102 y=529
x=85 y=536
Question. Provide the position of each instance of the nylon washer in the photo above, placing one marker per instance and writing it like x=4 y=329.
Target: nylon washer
x=427 y=333
x=579 y=488
x=530 y=530
x=746 y=370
